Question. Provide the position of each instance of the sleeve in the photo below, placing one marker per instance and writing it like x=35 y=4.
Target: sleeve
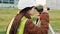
x=32 y=28
x=45 y=22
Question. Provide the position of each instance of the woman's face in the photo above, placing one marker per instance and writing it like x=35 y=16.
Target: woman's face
x=32 y=11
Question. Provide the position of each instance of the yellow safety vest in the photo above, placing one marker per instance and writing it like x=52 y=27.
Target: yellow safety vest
x=22 y=25
x=20 y=30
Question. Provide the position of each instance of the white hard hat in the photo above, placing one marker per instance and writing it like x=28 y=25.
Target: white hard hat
x=41 y=2
x=29 y=3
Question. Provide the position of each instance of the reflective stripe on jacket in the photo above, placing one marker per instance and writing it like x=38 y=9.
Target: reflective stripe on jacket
x=20 y=30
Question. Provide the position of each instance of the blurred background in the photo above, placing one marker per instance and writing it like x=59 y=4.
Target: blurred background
x=8 y=9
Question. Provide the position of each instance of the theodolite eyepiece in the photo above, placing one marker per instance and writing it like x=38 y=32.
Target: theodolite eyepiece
x=40 y=9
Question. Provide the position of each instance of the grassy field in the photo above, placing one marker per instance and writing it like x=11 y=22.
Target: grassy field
x=6 y=14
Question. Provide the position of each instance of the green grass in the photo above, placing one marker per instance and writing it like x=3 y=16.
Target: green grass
x=55 y=19
x=6 y=14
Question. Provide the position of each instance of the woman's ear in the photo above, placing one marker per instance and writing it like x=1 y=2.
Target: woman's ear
x=32 y=11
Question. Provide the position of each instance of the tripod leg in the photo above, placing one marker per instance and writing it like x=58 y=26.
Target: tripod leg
x=36 y=21
x=51 y=29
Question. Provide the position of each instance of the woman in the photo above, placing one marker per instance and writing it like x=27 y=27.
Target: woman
x=30 y=27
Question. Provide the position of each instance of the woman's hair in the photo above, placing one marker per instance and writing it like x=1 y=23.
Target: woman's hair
x=17 y=19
